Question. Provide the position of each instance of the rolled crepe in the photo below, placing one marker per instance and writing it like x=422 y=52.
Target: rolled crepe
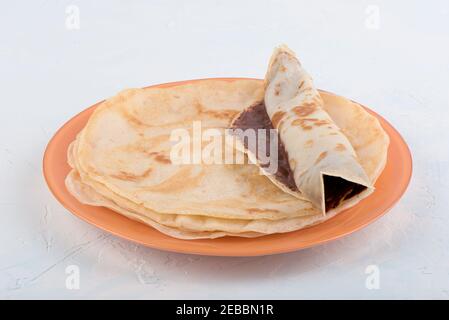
x=321 y=161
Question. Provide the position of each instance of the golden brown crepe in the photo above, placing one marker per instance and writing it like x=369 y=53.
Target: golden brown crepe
x=121 y=160
x=318 y=162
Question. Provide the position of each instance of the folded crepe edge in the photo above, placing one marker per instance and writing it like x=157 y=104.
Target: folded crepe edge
x=344 y=203
x=367 y=183
x=282 y=48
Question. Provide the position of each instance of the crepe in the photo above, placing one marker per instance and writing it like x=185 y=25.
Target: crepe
x=126 y=146
x=89 y=196
x=126 y=137
x=316 y=160
x=77 y=181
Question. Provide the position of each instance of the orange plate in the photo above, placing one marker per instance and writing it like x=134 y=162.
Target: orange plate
x=389 y=188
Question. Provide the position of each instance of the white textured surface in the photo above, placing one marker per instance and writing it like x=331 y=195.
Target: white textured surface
x=49 y=73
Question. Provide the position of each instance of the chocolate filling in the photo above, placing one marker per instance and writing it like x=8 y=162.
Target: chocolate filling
x=256 y=117
x=336 y=189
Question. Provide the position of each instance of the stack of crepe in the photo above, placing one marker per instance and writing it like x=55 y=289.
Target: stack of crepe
x=330 y=153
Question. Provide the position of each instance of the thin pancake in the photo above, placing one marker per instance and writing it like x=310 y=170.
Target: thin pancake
x=325 y=166
x=362 y=129
x=126 y=146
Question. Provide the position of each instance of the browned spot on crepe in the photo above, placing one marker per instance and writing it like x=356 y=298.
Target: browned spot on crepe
x=277 y=117
x=257 y=210
x=283 y=68
x=127 y=176
x=277 y=89
x=162 y=159
x=223 y=114
x=304 y=110
x=321 y=157
x=134 y=121
x=319 y=123
x=301 y=123
x=159 y=157
x=301 y=84
x=340 y=147
x=308 y=143
x=313 y=122
x=219 y=114
x=144 y=146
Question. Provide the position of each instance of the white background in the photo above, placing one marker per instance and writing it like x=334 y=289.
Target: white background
x=48 y=73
